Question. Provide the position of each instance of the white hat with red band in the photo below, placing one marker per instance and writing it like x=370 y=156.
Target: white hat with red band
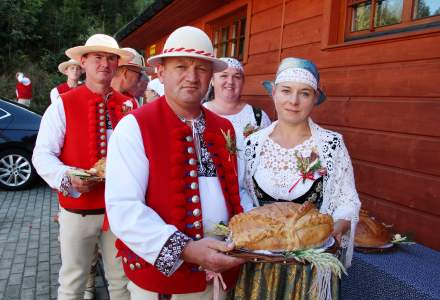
x=189 y=41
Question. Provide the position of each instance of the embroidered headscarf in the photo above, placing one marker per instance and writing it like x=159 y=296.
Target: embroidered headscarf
x=298 y=70
x=233 y=63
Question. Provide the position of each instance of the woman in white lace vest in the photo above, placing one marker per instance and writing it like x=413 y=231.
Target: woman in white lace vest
x=227 y=86
x=296 y=160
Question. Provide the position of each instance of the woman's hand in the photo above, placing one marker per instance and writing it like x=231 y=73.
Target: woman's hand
x=339 y=228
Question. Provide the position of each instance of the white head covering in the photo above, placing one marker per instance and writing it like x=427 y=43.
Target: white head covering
x=233 y=63
x=297 y=75
x=156 y=86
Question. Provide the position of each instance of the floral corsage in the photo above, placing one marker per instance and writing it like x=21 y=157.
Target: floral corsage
x=307 y=166
x=249 y=129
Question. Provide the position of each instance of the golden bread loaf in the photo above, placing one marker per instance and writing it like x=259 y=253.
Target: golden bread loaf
x=370 y=232
x=281 y=226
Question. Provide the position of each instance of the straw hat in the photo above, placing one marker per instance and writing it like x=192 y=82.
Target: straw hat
x=137 y=62
x=62 y=67
x=99 y=43
x=189 y=41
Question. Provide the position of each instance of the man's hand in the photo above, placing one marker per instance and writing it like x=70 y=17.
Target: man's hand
x=208 y=254
x=339 y=228
x=82 y=186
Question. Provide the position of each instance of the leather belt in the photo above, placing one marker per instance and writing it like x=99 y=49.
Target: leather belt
x=85 y=212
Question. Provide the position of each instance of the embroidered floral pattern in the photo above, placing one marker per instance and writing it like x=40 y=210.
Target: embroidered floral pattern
x=66 y=185
x=171 y=252
x=206 y=167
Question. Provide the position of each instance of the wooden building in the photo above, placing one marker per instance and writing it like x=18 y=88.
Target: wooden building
x=380 y=67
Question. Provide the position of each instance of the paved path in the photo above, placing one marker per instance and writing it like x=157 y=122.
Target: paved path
x=29 y=249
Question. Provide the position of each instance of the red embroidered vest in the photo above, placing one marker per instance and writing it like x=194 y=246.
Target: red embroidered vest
x=63 y=88
x=85 y=140
x=173 y=191
x=24 y=91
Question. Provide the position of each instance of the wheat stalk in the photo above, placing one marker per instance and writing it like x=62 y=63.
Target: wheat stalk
x=318 y=258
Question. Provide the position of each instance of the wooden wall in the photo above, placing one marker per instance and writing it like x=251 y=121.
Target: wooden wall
x=383 y=96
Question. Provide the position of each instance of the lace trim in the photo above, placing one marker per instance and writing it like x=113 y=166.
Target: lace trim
x=338 y=188
x=278 y=170
x=170 y=254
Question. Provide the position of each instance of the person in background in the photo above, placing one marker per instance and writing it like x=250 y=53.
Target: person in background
x=295 y=160
x=227 y=87
x=23 y=89
x=141 y=87
x=246 y=119
x=73 y=71
x=74 y=133
x=128 y=75
x=154 y=90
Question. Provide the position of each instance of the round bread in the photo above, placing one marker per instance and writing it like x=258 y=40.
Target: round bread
x=370 y=233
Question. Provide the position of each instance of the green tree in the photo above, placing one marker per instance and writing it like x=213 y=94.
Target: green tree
x=36 y=33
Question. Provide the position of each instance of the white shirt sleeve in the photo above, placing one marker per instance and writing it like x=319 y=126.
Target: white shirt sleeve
x=127 y=171
x=265 y=121
x=54 y=94
x=49 y=143
x=245 y=199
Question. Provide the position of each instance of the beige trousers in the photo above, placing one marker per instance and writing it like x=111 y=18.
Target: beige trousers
x=78 y=239
x=138 y=293
x=26 y=102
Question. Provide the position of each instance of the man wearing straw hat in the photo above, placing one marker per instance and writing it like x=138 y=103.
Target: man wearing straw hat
x=128 y=76
x=171 y=177
x=72 y=69
x=74 y=132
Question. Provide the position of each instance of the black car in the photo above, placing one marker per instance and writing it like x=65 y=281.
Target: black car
x=18 y=132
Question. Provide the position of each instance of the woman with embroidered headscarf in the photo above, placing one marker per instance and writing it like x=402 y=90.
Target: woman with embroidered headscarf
x=227 y=86
x=296 y=160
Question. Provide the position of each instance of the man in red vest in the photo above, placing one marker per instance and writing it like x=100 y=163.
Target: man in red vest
x=72 y=69
x=74 y=133
x=23 y=89
x=128 y=76
x=171 y=177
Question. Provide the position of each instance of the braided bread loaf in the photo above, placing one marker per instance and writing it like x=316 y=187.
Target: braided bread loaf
x=281 y=226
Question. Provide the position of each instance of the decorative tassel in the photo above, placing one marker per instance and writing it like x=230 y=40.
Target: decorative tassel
x=321 y=285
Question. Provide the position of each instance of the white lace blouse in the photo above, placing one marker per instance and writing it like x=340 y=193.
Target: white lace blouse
x=340 y=198
x=241 y=120
x=277 y=174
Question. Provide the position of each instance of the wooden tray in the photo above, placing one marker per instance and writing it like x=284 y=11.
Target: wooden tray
x=276 y=257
